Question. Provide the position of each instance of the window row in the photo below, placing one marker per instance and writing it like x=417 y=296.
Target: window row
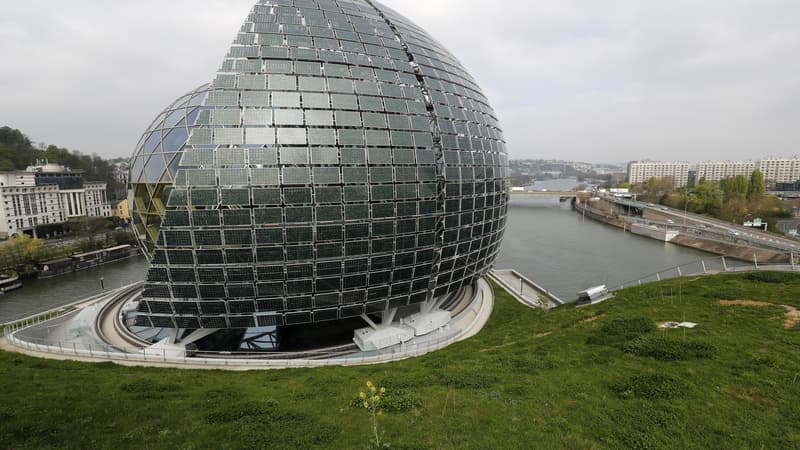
x=310 y=99
x=377 y=285
x=313 y=117
x=333 y=156
x=278 y=254
x=219 y=317
x=315 y=136
x=272 y=176
x=235 y=218
x=378 y=269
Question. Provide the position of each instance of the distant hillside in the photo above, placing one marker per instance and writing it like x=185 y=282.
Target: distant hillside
x=18 y=152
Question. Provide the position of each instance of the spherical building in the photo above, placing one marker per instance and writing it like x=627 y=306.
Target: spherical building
x=341 y=163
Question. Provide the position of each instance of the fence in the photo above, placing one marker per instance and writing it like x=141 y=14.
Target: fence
x=225 y=359
x=709 y=267
x=14 y=334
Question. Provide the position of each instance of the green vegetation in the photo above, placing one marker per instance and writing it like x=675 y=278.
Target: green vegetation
x=20 y=254
x=603 y=376
x=18 y=152
x=734 y=199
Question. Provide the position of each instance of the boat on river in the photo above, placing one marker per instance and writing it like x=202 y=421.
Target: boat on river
x=9 y=283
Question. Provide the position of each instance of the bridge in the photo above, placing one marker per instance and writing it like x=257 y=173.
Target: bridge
x=554 y=193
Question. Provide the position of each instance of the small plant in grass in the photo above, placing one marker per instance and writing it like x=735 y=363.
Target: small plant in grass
x=370 y=397
x=666 y=349
x=650 y=387
x=771 y=277
x=621 y=330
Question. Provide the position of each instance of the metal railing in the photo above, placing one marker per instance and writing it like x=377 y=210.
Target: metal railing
x=709 y=267
x=223 y=359
x=14 y=336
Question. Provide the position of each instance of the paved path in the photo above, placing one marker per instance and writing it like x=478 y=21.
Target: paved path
x=526 y=291
x=466 y=323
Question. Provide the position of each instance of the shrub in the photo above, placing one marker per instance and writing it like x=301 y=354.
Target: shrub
x=771 y=277
x=393 y=400
x=666 y=349
x=526 y=364
x=621 y=330
x=467 y=380
x=724 y=293
x=650 y=387
x=627 y=326
x=282 y=430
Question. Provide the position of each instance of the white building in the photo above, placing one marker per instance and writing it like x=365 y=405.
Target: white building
x=779 y=170
x=718 y=170
x=641 y=171
x=47 y=194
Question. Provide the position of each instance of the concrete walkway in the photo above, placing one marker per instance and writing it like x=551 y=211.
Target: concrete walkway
x=526 y=291
x=465 y=324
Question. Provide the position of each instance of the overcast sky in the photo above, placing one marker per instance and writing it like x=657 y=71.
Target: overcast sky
x=603 y=81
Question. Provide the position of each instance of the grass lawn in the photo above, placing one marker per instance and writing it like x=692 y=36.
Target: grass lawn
x=595 y=377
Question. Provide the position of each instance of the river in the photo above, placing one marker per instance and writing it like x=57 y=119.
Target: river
x=551 y=244
x=545 y=241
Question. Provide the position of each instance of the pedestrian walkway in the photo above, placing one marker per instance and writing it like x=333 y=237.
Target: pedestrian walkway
x=526 y=291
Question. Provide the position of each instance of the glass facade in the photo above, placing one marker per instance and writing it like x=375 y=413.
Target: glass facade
x=341 y=162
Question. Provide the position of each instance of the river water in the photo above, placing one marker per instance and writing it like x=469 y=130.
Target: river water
x=545 y=240
x=552 y=245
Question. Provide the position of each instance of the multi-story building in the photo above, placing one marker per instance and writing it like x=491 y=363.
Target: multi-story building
x=120 y=173
x=718 y=170
x=120 y=209
x=641 y=171
x=47 y=194
x=779 y=170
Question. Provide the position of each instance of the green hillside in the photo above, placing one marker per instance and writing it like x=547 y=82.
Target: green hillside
x=18 y=152
x=596 y=377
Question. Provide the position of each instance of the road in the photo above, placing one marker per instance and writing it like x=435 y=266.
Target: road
x=733 y=231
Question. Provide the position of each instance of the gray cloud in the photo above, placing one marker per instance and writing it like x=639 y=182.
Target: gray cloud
x=572 y=79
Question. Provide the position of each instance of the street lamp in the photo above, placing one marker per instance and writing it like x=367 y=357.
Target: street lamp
x=686 y=208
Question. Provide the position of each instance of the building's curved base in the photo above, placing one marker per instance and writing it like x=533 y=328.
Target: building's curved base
x=69 y=337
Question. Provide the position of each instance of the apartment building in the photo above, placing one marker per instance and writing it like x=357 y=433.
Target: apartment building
x=779 y=170
x=641 y=171
x=718 y=170
x=47 y=194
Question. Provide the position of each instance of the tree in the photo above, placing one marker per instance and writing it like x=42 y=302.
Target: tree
x=756 y=185
x=707 y=198
x=20 y=252
x=734 y=186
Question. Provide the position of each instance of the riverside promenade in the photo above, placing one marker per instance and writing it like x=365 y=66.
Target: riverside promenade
x=525 y=290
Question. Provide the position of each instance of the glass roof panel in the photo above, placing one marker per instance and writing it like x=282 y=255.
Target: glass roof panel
x=152 y=142
x=155 y=168
x=175 y=139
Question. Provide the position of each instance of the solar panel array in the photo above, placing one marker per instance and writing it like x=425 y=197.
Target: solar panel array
x=341 y=162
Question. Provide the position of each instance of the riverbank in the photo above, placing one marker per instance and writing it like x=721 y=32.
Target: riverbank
x=44 y=294
x=679 y=236
x=609 y=376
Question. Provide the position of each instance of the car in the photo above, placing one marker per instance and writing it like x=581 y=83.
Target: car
x=650 y=204
x=700 y=225
x=664 y=208
x=733 y=233
x=670 y=221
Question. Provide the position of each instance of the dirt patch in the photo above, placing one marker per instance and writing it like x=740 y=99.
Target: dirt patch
x=593 y=318
x=753 y=397
x=541 y=335
x=498 y=346
x=744 y=303
x=791 y=319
